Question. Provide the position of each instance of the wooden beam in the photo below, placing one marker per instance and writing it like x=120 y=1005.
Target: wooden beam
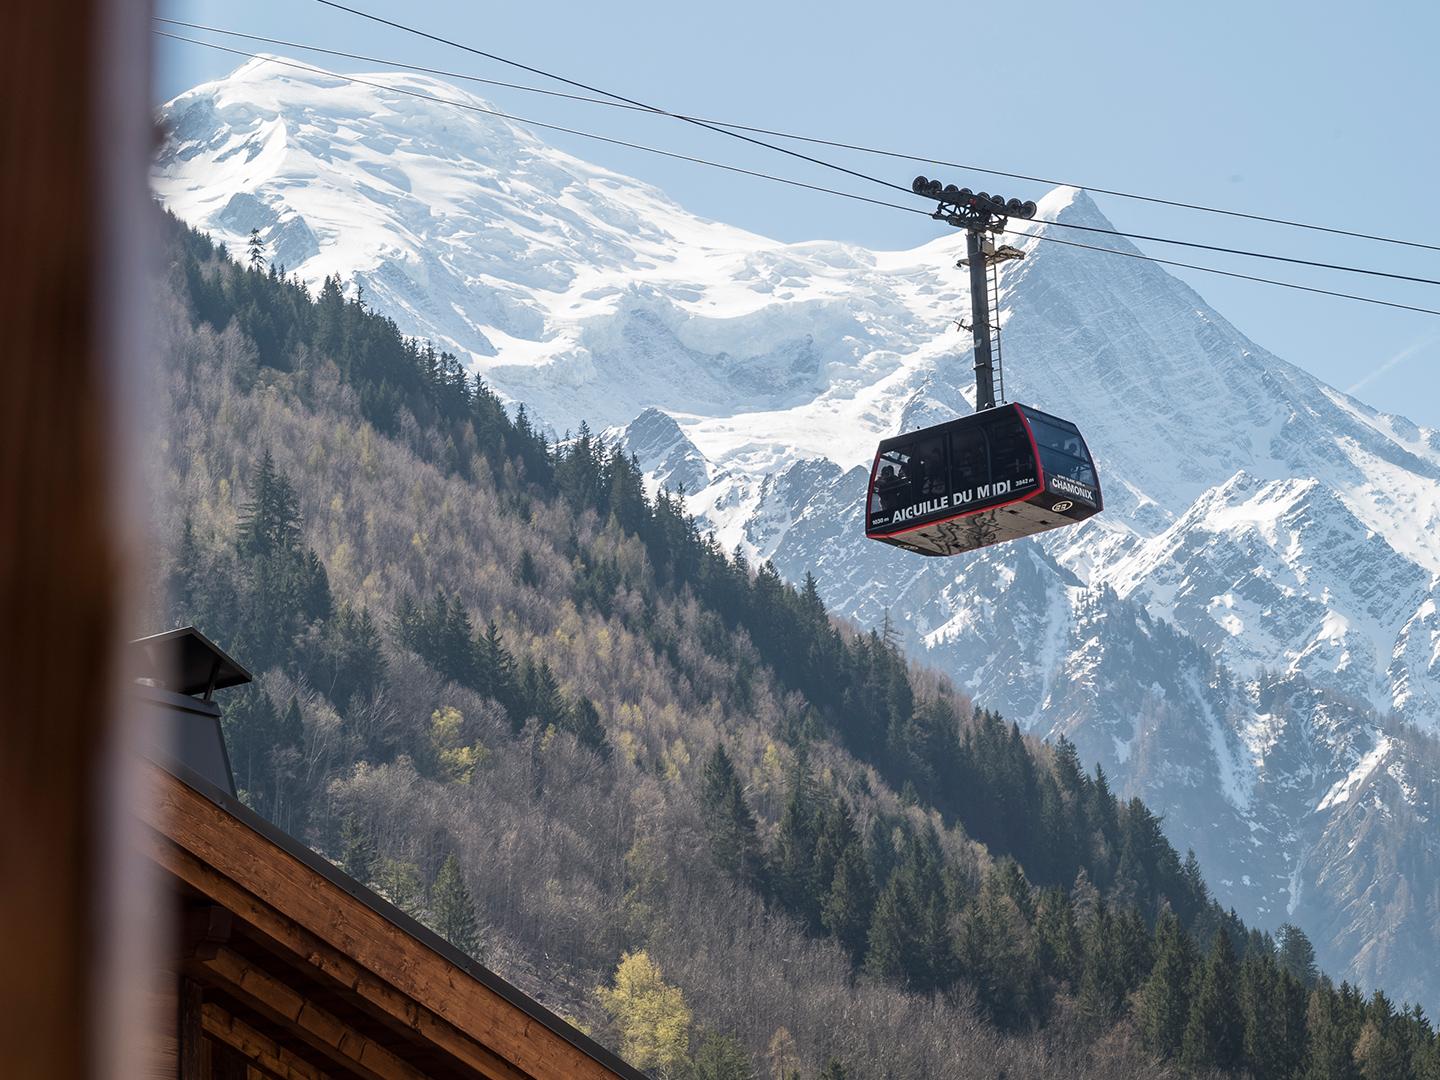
x=323 y=926
x=205 y=929
x=194 y=1063
x=61 y=563
x=320 y=1029
x=265 y=1052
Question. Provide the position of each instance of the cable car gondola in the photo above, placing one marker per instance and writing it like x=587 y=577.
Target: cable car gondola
x=1001 y=474
x=1006 y=472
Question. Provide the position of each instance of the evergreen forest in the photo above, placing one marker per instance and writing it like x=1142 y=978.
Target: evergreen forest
x=659 y=788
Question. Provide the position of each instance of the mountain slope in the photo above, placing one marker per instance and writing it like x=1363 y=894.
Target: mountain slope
x=1260 y=525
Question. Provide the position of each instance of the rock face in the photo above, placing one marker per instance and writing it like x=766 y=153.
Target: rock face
x=1248 y=637
x=667 y=456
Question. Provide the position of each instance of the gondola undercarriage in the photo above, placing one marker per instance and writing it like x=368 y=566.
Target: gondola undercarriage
x=967 y=532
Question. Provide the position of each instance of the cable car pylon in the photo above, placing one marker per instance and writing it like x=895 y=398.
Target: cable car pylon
x=1007 y=471
x=978 y=214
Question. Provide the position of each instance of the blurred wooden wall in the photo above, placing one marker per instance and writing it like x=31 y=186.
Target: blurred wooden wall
x=61 y=68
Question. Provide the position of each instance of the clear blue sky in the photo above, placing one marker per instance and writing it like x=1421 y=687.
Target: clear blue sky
x=1317 y=111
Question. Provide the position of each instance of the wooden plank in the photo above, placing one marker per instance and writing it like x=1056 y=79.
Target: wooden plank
x=225 y=1063
x=162 y=1013
x=193 y=1061
x=266 y=1053
x=286 y=900
x=320 y=1029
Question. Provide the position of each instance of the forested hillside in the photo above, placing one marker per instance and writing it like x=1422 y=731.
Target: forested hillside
x=657 y=787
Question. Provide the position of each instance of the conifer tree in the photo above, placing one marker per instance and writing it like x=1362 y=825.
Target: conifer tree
x=1272 y=1003
x=255 y=249
x=728 y=820
x=1296 y=954
x=498 y=670
x=455 y=918
x=584 y=722
x=291 y=732
x=847 y=909
x=1057 y=937
x=892 y=942
x=1164 y=1006
x=1102 y=983
x=1214 y=1030
x=1195 y=893
x=541 y=693
x=997 y=952
x=795 y=847
x=251 y=726
x=1329 y=1051
x=721 y=1057
x=352 y=662
x=357 y=853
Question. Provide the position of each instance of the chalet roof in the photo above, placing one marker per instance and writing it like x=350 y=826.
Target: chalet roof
x=311 y=942
x=185 y=661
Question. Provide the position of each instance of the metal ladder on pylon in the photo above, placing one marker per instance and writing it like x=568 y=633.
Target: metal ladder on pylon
x=993 y=298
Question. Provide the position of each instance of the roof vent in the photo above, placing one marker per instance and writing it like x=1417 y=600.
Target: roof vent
x=176 y=674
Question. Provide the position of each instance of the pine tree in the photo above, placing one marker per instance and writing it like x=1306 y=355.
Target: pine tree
x=1268 y=1054
x=1329 y=1050
x=270 y=523
x=251 y=726
x=997 y=951
x=847 y=909
x=584 y=722
x=1057 y=936
x=540 y=691
x=357 y=853
x=1296 y=954
x=455 y=918
x=1196 y=893
x=892 y=941
x=728 y=820
x=795 y=845
x=291 y=732
x=351 y=663
x=1214 y=1030
x=1164 y=1005
x=255 y=248
x=1102 y=983
x=721 y=1057
x=497 y=667
x=782 y=1056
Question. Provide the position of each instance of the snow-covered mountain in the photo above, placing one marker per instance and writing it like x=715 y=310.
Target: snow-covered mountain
x=1248 y=637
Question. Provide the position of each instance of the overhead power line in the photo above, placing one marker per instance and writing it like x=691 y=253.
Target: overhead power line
x=718 y=129
x=1232 y=274
x=470 y=107
x=921 y=159
x=737 y=131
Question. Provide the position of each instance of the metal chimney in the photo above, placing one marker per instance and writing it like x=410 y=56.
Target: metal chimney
x=175 y=677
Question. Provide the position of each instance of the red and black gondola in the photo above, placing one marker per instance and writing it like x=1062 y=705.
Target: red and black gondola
x=998 y=475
